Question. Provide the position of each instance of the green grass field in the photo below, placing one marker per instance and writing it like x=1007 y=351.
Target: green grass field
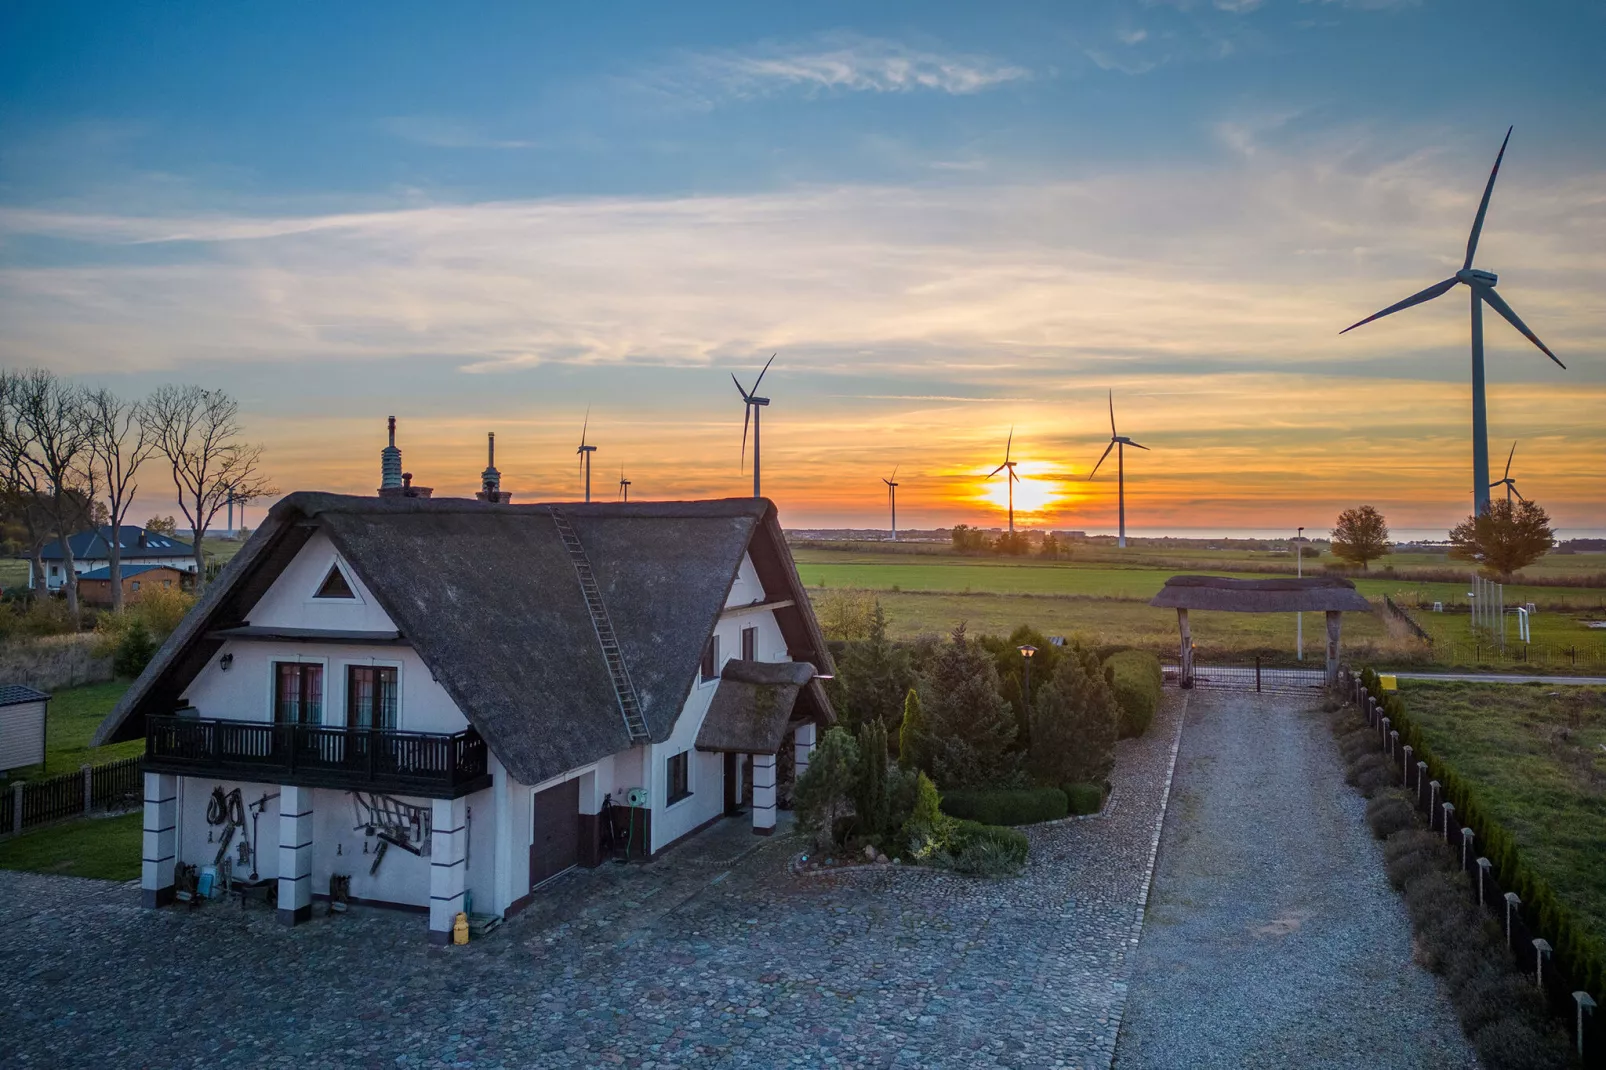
x=1537 y=755
x=75 y=713
x=106 y=848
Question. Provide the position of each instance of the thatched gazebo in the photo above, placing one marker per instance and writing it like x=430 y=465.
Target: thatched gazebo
x=1318 y=594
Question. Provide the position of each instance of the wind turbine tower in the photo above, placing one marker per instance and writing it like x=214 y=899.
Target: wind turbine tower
x=1013 y=478
x=624 y=485
x=1481 y=283
x=751 y=406
x=892 y=497
x=1506 y=480
x=585 y=453
x=1118 y=443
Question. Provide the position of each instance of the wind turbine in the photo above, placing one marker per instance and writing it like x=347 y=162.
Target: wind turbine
x=1118 y=443
x=1481 y=283
x=1013 y=478
x=892 y=496
x=1506 y=481
x=624 y=485
x=751 y=404
x=585 y=453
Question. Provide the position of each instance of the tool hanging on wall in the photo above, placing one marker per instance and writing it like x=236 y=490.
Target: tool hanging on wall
x=227 y=809
x=393 y=821
x=256 y=815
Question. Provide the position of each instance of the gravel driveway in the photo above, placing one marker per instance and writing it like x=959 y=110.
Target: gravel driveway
x=715 y=956
x=1272 y=937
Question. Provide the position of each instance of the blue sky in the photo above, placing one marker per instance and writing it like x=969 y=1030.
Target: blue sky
x=947 y=218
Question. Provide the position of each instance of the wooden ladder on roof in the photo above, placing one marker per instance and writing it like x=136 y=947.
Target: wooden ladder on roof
x=624 y=690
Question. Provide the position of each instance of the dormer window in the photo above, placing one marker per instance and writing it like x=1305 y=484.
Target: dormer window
x=335 y=585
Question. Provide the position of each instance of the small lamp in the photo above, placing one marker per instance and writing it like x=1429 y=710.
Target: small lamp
x=225 y=661
x=1026 y=652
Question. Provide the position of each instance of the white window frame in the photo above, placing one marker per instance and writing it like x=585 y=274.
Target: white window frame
x=691 y=787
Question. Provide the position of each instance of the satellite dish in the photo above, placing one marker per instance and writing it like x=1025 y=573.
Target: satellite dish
x=636 y=797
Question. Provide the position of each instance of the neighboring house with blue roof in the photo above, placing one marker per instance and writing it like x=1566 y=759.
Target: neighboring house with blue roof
x=91 y=551
x=95 y=586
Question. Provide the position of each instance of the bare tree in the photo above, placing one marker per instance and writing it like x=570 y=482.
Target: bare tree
x=16 y=484
x=48 y=436
x=197 y=431
x=120 y=441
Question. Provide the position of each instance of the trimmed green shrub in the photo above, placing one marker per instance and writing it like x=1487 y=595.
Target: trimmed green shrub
x=1017 y=806
x=1084 y=798
x=1074 y=722
x=985 y=850
x=870 y=784
x=914 y=743
x=1136 y=681
x=928 y=830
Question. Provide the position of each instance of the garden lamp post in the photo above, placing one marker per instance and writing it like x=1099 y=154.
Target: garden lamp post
x=1299 y=618
x=1026 y=653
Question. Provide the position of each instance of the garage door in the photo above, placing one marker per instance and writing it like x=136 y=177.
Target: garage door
x=555 y=845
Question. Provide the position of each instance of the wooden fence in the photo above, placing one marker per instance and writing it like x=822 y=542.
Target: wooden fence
x=112 y=785
x=1530 y=946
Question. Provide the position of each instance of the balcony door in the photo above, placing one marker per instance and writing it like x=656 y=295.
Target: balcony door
x=298 y=692
x=371 y=696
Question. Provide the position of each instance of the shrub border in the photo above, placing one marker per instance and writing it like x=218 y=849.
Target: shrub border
x=1530 y=912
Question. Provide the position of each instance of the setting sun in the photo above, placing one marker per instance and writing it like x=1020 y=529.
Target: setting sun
x=1032 y=495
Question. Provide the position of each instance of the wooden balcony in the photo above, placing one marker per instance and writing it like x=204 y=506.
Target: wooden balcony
x=430 y=764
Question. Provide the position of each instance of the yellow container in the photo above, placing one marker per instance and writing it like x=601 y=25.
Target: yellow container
x=1388 y=683
x=460 y=929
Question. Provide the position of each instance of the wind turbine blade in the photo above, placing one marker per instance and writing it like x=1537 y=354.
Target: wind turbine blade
x=1009 y=442
x=895 y=470
x=1129 y=442
x=1498 y=303
x=584 y=426
x=747 y=414
x=1013 y=476
x=739 y=389
x=1518 y=493
x=887 y=481
x=1510 y=455
x=1112 y=415
x=1483 y=206
x=760 y=378
x=997 y=470
x=1436 y=290
x=1106 y=453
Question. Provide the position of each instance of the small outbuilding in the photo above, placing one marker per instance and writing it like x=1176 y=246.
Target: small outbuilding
x=1318 y=594
x=22 y=726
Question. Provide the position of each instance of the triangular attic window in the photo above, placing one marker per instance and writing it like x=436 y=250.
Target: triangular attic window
x=335 y=585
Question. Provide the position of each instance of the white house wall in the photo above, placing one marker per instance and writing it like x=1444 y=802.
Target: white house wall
x=289 y=602
x=195 y=793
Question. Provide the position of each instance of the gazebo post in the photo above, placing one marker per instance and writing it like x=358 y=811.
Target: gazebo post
x=1334 y=622
x=1185 y=665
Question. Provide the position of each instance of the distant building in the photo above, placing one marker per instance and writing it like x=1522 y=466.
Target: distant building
x=91 y=550
x=95 y=586
x=22 y=726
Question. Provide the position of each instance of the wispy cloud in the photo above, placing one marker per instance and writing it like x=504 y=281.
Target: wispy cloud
x=444 y=133
x=833 y=63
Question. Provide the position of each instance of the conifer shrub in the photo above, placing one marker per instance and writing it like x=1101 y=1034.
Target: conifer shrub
x=1010 y=806
x=913 y=737
x=823 y=795
x=135 y=651
x=985 y=850
x=970 y=728
x=870 y=802
x=1135 y=680
x=927 y=831
x=1074 y=724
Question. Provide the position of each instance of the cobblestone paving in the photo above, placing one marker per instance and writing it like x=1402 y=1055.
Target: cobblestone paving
x=717 y=955
x=1273 y=938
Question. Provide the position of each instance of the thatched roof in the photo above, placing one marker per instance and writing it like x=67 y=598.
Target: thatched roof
x=487 y=595
x=1283 y=595
x=756 y=702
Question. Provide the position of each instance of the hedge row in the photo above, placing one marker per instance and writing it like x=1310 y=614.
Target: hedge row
x=1135 y=678
x=986 y=850
x=1010 y=806
x=1576 y=953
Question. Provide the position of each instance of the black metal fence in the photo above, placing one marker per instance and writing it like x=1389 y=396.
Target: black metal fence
x=108 y=786
x=1528 y=943
x=1257 y=675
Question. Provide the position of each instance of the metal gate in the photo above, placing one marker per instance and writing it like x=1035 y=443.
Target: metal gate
x=1246 y=676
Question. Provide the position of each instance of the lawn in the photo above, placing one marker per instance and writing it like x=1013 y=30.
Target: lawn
x=107 y=848
x=1536 y=756
x=75 y=713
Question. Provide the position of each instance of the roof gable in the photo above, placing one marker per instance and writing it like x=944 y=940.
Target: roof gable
x=488 y=596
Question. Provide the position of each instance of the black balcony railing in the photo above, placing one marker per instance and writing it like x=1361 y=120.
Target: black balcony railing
x=431 y=764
